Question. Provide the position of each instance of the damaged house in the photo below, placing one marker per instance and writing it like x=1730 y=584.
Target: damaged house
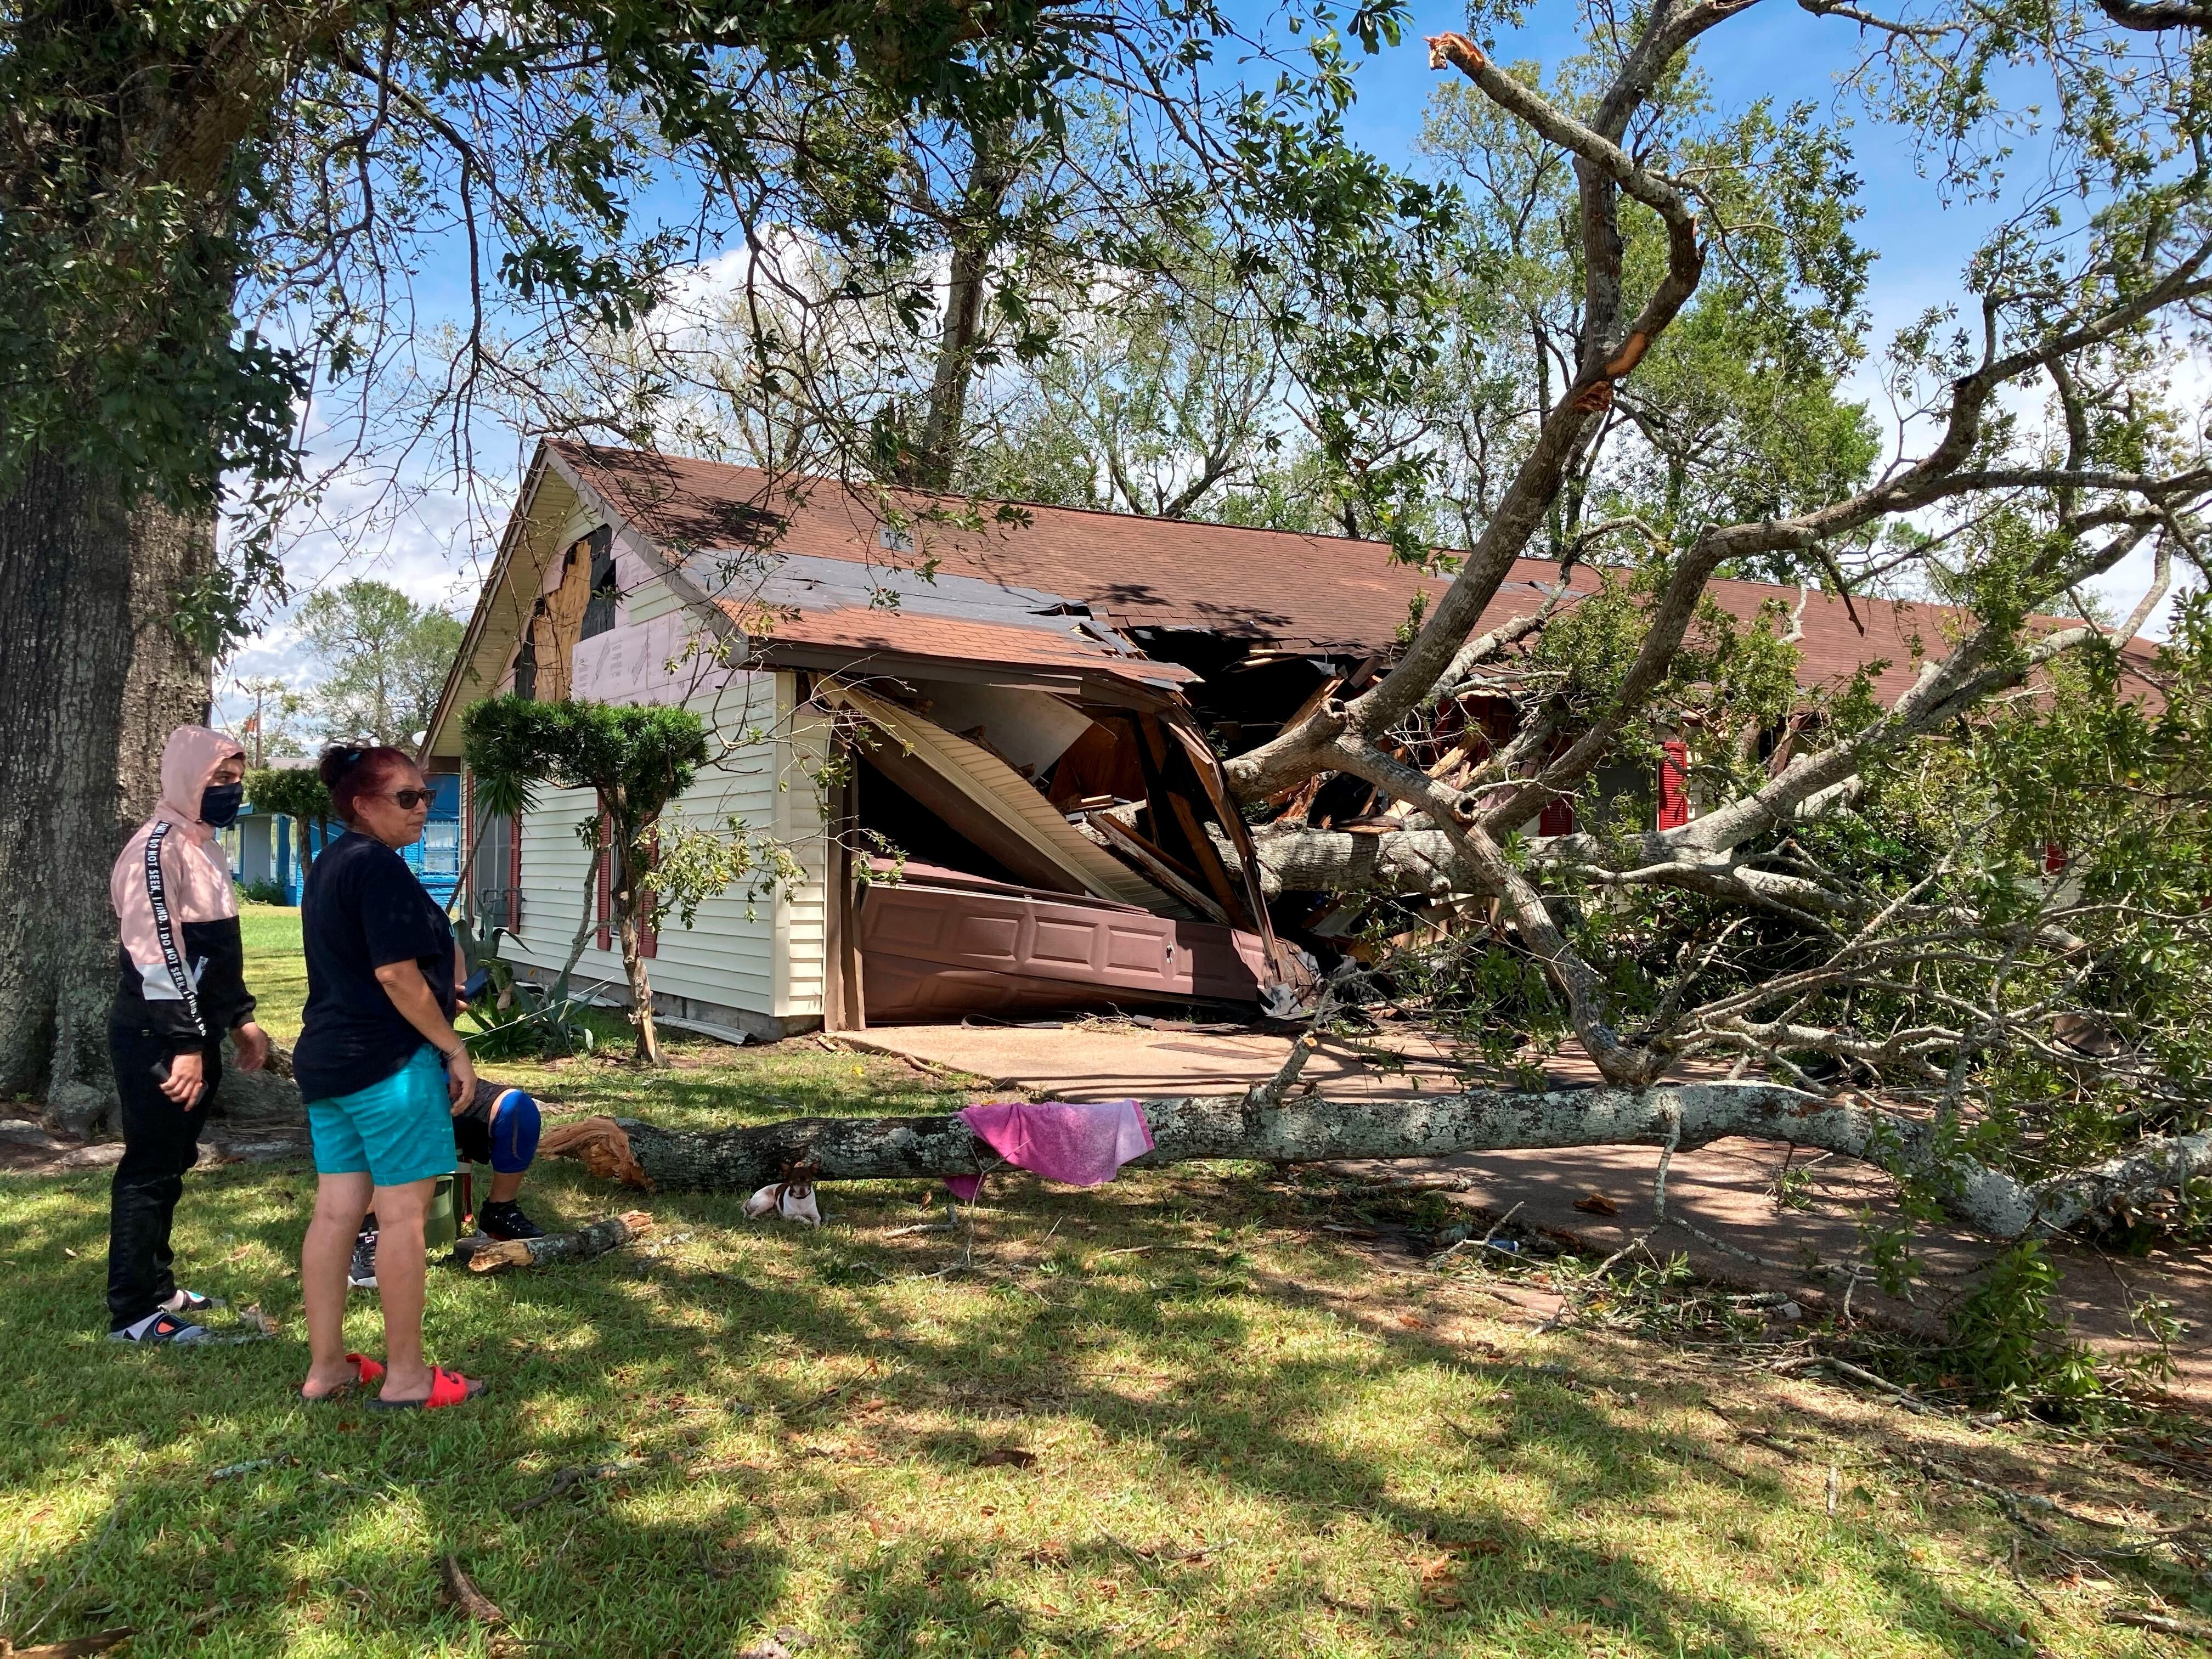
x=992 y=749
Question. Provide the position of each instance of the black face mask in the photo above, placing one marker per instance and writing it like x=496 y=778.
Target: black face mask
x=219 y=804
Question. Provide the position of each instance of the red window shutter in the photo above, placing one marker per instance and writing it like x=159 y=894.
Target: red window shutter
x=605 y=911
x=515 y=873
x=1558 y=819
x=2054 y=858
x=1674 y=784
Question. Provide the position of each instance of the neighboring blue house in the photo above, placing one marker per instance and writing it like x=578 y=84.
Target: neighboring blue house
x=265 y=846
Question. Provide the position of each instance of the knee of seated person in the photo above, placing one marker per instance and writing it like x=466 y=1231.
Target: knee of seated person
x=515 y=1124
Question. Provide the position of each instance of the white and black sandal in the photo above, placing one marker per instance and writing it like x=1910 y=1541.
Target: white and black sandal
x=161 y=1327
x=192 y=1303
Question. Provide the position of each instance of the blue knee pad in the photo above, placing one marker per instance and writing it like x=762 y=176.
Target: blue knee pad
x=515 y=1126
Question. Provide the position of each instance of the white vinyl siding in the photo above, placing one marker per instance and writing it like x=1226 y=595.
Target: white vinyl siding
x=766 y=957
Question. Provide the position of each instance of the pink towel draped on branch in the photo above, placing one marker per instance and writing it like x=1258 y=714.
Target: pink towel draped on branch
x=1083 y=1143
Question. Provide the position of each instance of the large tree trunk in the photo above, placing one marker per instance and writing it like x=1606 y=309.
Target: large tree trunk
x=92 y=678
x=1312 y=1130
x=640 y=987
x=975 y=234
x=628 y=898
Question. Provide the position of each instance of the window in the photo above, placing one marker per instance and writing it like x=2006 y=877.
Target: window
x=525 y=656
x=599 y=608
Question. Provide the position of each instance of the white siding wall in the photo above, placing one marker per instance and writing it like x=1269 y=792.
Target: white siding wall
x=765 y=957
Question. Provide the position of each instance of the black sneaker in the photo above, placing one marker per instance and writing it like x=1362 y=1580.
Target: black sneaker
x=507 y=1221
x=362 y=1274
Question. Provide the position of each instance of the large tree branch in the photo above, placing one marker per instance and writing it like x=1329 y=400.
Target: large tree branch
x=1313 y=1130
x=1536 y=481
x=2167 y=14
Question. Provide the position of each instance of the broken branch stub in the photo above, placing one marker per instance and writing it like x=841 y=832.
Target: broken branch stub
x=596 y=1238
x=1315 y=1130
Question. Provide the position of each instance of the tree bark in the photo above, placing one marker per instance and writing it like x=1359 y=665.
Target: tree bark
x=629 y=937
x=1402 y=861
x=594 y=1238
x=93 y=675
x=1315 y=1131
x=975 y=234
x=66 y=603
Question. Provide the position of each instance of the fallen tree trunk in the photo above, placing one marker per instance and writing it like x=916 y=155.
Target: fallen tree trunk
x=1312 y=1130
x=1404 y=862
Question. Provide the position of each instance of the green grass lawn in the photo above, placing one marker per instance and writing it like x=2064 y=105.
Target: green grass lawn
x=1171 y=1416
x=279 y=981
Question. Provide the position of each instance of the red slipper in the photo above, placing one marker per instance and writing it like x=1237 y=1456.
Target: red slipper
x=447 y=1389
x=365 y=1371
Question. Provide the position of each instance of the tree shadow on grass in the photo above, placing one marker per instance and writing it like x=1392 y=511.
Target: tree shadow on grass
x=853 y=1390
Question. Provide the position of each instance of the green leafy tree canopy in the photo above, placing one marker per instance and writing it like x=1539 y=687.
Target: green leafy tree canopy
x=385 y=658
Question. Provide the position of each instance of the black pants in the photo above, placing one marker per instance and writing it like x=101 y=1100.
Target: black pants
x=160 y=1141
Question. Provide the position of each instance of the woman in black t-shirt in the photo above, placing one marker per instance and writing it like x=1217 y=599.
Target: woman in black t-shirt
x=382 y=1071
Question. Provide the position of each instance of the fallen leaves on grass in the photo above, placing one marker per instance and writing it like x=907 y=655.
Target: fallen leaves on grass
x=1596 y=1204
x=786 y=1641
x=1437 y=1581
x=1014 y=1457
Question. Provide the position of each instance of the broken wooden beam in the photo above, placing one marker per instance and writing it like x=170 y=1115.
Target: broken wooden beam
x=484 y=1255
x=1158 y=867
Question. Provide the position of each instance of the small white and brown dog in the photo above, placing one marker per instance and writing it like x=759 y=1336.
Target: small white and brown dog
x=791 y=1198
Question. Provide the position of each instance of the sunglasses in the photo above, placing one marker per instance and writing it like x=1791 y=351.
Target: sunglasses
x=410 y=799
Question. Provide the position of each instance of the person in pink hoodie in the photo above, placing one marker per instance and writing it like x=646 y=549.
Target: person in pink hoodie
x=182 y=974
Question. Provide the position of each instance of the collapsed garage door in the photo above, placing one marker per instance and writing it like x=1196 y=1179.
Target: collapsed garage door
x=940 y=944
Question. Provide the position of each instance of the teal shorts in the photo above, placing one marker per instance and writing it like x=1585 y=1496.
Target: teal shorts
x=396 y=1131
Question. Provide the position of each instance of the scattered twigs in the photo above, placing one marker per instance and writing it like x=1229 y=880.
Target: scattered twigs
x=77 y=1647
x=252 y=1466
x=1482 y=1243
x=2006 y=1495
x=464 y=1594
x=115 y=1515
x=2192 y=1630
x=1881 y=1384
x=1797 y=1363
x=563 y=1479
x=2011 y=1638
x=2021 y=1579
x=484 y=1255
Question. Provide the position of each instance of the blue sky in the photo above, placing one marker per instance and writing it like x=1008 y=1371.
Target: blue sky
x=1775 y=50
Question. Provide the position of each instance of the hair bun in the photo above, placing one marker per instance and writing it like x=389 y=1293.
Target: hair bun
x=335 y=761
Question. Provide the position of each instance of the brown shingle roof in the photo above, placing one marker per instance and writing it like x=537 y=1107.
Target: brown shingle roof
x=1282 y=588
x=895 y=634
